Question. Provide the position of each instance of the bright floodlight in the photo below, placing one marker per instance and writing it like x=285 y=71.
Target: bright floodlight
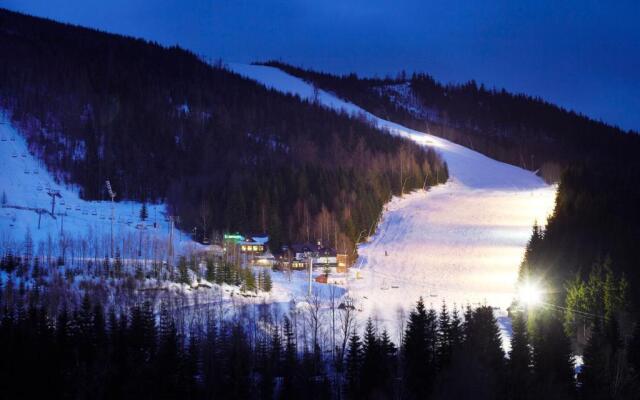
x=530 y=294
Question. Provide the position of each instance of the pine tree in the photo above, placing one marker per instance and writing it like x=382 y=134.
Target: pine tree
x=276 y=351
x=211 y=270
x=222 y=272
x=183 y=271
x=259 y=280
x=388 y=363
x=143 y=212
x=267 y=282
x=444 y=343
x=594 y=377
x=432 y=340
x=519 y=371
x=353 y=367
x=418 y=371
x=483 y=355
x=552 y=359
x=290 y=361
x=455 y=330
x=372 y=371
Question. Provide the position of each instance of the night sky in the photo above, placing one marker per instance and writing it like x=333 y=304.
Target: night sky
x=584 y=55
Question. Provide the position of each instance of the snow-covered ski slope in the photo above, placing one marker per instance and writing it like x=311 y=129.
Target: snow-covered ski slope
x=461 y=242
x=25 y=182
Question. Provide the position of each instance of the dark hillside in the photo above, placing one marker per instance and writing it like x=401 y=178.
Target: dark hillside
x=515 y=128
x=224 y=152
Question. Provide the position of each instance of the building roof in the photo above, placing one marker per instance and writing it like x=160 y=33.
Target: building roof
x=304 y=247
x=327 y=252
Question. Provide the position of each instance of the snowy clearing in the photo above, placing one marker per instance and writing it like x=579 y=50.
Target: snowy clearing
x=461 y=242
x=26 y=181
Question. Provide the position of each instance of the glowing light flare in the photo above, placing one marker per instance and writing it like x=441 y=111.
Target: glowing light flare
x=530 y=293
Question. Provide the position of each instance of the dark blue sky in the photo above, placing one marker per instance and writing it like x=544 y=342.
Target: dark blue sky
x=581 y=54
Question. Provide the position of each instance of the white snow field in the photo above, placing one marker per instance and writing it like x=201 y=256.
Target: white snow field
x=25 y=181
x=460 y=242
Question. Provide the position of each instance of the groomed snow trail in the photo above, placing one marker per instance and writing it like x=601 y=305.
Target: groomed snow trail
x=461 y=242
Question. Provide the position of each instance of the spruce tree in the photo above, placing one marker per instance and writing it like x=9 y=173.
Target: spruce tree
x=553 y=365
x=519 y=371
x=143 y=212
x=276 y=351
x=388 y=364
x=183 y=271
x=455 y=330
x=372 y=371
x=353 y=367
x=444 y=343
x=418 y=372
x=594 y=378
x=211 y=270
x=483 y=355
x=290 y=361
x=267 y=282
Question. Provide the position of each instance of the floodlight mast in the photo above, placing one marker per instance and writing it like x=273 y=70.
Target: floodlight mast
x=112 y=194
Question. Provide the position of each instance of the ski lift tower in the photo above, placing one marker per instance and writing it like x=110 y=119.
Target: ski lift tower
x=112 y=194
x=53 y=193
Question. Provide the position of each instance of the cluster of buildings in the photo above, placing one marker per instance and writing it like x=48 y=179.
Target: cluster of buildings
x=253 y=249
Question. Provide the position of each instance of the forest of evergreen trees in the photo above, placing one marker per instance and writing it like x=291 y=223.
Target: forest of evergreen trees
x=224 y=152
x=84 y=326
x=154 y=350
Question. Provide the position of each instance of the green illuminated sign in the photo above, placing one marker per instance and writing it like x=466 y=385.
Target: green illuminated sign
x=233 y=236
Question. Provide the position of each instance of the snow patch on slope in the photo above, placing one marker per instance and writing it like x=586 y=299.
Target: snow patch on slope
x=25 y=181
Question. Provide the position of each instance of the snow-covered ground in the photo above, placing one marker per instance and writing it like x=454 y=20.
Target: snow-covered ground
x=25 y=182
x=460 y=242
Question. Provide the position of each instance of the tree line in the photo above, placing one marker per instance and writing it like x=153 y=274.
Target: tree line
x=151 y=350
x=115 y=329
x=515 y=128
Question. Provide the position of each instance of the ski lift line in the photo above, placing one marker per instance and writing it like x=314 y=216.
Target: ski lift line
x=560 y=308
